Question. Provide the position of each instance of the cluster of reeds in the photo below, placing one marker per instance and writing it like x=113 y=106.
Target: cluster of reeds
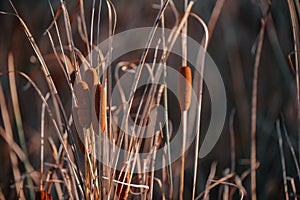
x=82 y=165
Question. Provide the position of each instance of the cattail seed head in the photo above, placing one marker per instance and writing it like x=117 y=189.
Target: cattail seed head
x=91 y=78
x=185 y=87
x=103 y=109
x=82 y=94
x=99 y=103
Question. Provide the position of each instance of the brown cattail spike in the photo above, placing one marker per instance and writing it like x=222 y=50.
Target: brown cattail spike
x=84 y=104
x=91 y=78
x=103 y=109
x=99 y=104
x=185 y=87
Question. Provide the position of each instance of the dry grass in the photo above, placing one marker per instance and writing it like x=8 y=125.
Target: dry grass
x=75 y=106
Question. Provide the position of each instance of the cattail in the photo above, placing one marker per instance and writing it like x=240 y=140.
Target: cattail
x=91 y=78
x=83 y=101
x=99 y=99
x=103 y=109
x=185 y=93
x=185 y=87
x=78 y=129
x=42 y=195
x=122 y=190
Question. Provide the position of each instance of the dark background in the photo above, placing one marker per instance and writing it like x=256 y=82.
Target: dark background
x=230 y=47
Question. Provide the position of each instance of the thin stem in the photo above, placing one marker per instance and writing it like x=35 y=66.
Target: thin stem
x=296 y=35
x=200 y=89
x=165 y=131
x=184 y=132
x=42 y=140
x=13 y=157
x=254 y=110
x=17 y=114
x=291 y=147
x=282 y=159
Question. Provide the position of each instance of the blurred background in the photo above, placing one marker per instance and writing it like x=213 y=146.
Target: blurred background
x=232 y=47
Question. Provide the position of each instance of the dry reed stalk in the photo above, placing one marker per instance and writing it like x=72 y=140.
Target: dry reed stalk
x=232 y=141
x=65 y=59
x=45 y=70
x=211 y=175
x=13 y=157
x=171 y=42
x=55 y=98
x=19 y=152
x=98 y=22
x=107 y=79
x=156 y=143
x=53 y=148
x=56 y=128
x=159 y=70
x=184 y=38
x=215 y=183
x=69 y=34
x=66 y=66
x=296 y=36
x=254 y=109
x=92 y=30
x=42 y=141
x=239 y=183
x=166 y=131
x=87 y=167
x=122 y=190
x=232 y=146
x=291 y=147
x=17 y=114
x=292 y=181
x=199 y=79
x=280 y=143
x=184 y=95
x=59 y=156
x=241 y=189
x=142 y=61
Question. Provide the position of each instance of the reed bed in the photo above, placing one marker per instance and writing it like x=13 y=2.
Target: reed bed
x=87 y=147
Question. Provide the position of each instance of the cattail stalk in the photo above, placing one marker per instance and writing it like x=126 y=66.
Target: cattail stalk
x=165 y=98
x=200 y=63
x=185 y=93
x=254 y=110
